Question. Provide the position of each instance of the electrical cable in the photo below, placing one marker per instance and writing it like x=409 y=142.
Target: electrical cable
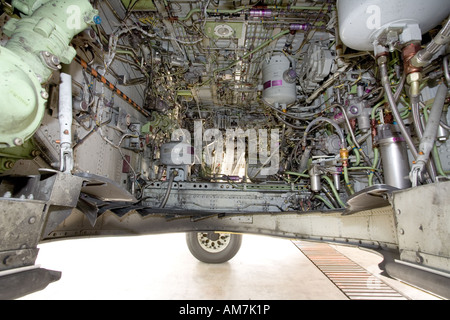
x=173 y=174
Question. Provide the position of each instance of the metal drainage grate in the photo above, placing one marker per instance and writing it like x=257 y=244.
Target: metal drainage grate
x=353 y=280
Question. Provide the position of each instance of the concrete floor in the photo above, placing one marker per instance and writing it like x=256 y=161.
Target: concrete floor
x=161 y=267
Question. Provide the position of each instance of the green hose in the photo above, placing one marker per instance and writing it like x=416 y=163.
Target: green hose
x=347 y=181
x=333 y=189
x=325 y=201
x=355 y=150
x=303 y=175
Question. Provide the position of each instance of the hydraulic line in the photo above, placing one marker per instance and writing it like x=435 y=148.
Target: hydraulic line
x=446 y=70
x=333 y=189
x=429 y=135
x=376 y=153
x=424 y=56
x=173 y=174
x=347 y=180
x=419 y=131
x=382 y=62
x=325 y=201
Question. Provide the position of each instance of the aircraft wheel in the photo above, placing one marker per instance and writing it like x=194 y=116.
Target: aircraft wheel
x=211 y=247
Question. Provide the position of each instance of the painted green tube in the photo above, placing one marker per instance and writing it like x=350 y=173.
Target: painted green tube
x=355 y=150
x=333 y=189
x=325 y=201
x=347 y=181
x=303 y=175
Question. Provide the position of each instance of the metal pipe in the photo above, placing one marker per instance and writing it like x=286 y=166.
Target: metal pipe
x=446 y=70
x=419 y=131
x=429 y=135
x=65 y=123
x=424 y=56
x=382 y=62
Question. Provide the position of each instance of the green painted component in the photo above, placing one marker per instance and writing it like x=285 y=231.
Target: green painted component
x=146 y=128
x=26 y=151
x=22 y=106
x=6 y=164
x=9 y=156
x=159 y=122
x=141 y=5
x=39 y=42
x=184 y=93
x=28 y=6
x=49 y=29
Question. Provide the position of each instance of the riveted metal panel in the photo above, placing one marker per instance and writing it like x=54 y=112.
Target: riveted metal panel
x=423 y=217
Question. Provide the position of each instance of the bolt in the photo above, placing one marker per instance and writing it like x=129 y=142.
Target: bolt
x=44 y=94
x=35 y=153
x=55 y=60
x=419 y=259
x=32 y=220
x=354 y=109
x=414 y=77
x=18 y=141
x=9 y=164
x=402 y=231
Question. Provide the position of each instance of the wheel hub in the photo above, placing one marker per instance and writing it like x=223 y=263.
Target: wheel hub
x=213 y=242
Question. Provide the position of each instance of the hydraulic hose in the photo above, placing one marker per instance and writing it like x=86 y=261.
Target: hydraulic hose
x=333 y=189
x=429 y=135
x=382 y=62
x=173 y=174
x=424 y=56
x=325 y=201
x=419 y=131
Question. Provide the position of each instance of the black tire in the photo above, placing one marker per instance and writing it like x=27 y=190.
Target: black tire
x=211 y=247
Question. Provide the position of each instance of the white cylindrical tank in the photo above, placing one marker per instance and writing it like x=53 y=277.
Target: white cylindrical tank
x=361 y=21
x=278 y=81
